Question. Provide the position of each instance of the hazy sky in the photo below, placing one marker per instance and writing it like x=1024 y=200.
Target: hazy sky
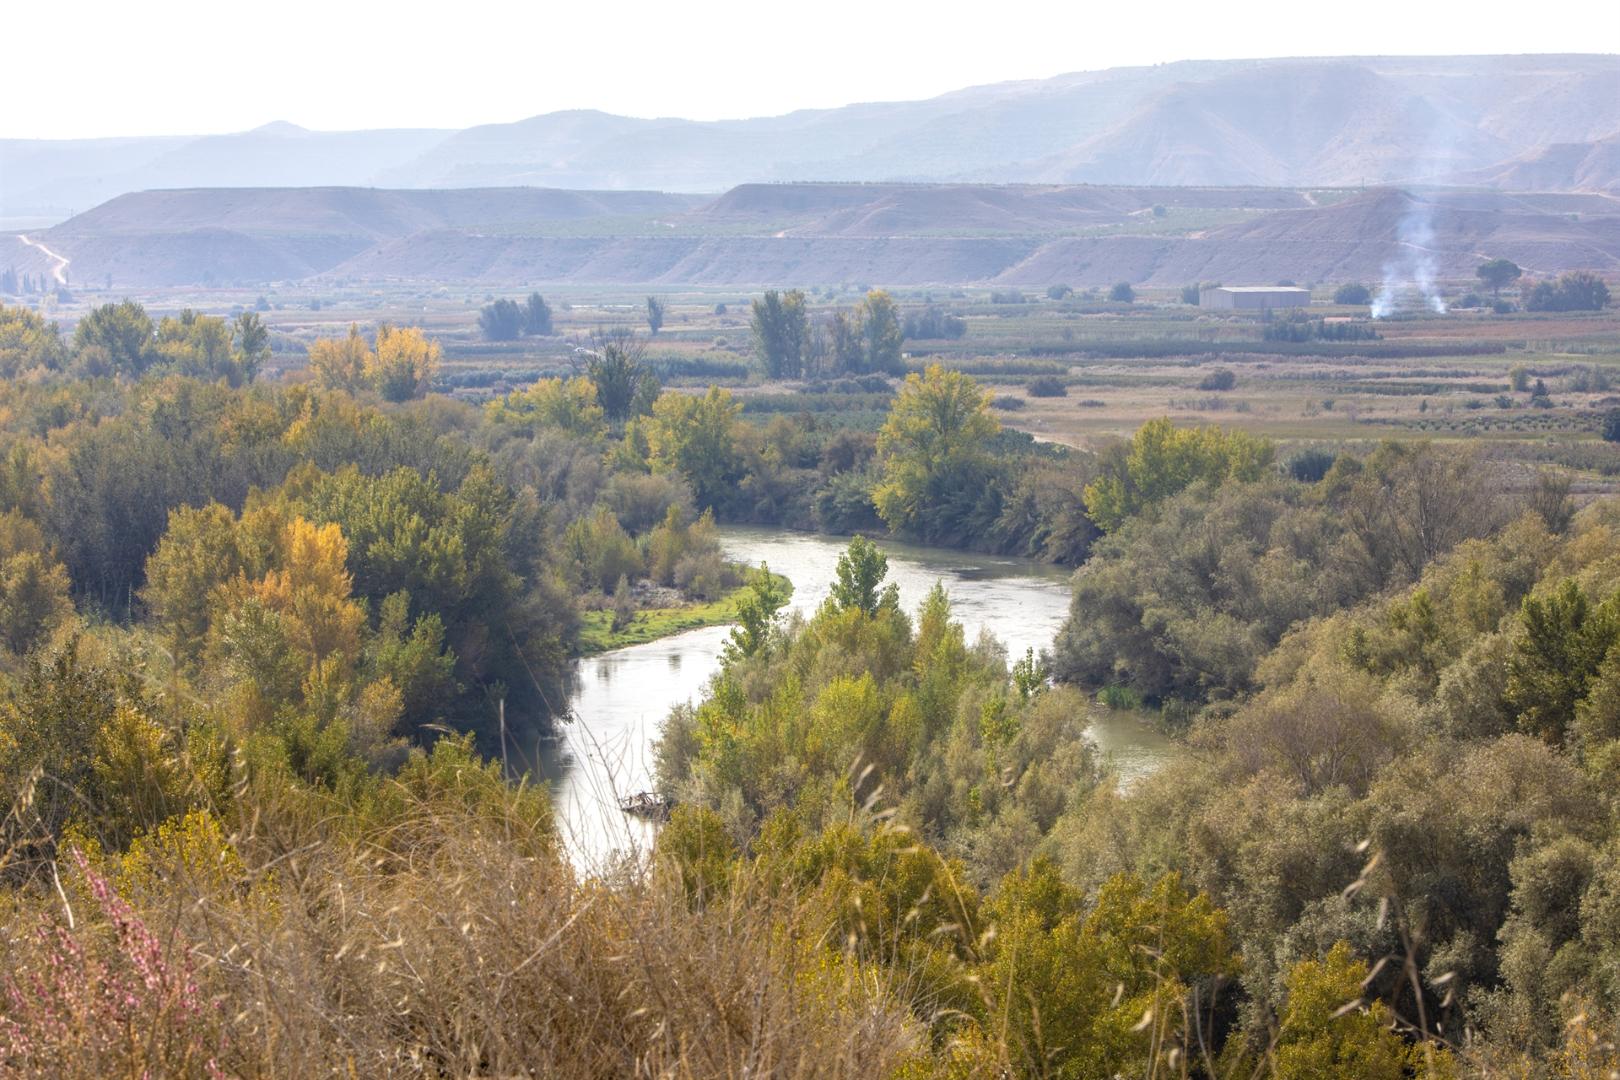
x=183 y=66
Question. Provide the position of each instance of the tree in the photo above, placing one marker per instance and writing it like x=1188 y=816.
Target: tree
x=781 y=331
x=1122 y=293
x=1495 y=273
x=341 y=363
x=932 y=450
x=1611 y=426
x=27 y=342
x=1565 y=640
x=694 y=437
x=201 y=346
x=880 y=323
x=568 y=404
x=197 y=554
x=614 y=365
x=537 y=316
x=404 y=363
x=501 y=321
x=1058 y=292
x=756 y=614
x=33 y=599
x=115 y=339
x=252 y=346
x=655 y=314
x=1579 y=290
x=1352 y=294
x=1163 y=459
x=848 y=342
x=861 y=570
x=1328 y=1031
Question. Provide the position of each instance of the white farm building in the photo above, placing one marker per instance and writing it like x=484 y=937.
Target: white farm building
x=1253 y=297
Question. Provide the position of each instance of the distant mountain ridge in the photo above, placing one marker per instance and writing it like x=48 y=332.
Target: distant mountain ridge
x=1498 y=121
x=810 y=234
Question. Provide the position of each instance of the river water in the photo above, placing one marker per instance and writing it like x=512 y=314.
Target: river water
x=623 y=696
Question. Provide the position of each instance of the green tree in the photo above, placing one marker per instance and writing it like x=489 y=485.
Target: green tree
x=614 y=365
x=199 y=346
x=502 y=320
x=1163 y=459
x=781 y=329
x=861 y=570
x=1564 y=640
x=1353 y=294
x=1082 y=990
x=879 y=318
x=1122 y=293
x=1578 y=290
x=848 y=342
x=694 y=436
x=33 y=599
x=27 y=342
x=655 y=314
x=932 y=448
x=1611 y=426
x=197 y=554
x=115 y=339
x=570 y=405
x=1328 y=1030
x=537 y=316
x=1496 y=273
x=756 y=614
x=252 y=347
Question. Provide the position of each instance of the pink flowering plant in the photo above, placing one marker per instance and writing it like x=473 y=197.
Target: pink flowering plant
x=119 y=1005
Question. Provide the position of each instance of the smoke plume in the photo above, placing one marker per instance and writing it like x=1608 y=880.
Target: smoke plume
x=1409 y=276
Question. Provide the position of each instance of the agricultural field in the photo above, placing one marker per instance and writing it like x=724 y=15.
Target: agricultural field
x=1080 y=371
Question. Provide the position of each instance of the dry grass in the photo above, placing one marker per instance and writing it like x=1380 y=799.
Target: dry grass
x=448 y=941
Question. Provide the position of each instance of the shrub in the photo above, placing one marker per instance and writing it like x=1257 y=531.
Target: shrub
x=1046 y=386
x=706 y=575
x=1122 y=293
x=1008 y=403
x=1611 y=426
x=1352 y=294
x=1219 y=379
x=1058 y=292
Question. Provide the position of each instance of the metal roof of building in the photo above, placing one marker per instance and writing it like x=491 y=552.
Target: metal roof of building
x=1259 y=288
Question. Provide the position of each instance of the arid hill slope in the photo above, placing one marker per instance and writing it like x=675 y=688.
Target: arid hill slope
x=806 y=234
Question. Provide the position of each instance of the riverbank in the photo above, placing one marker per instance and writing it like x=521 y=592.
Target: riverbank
x=596 y=633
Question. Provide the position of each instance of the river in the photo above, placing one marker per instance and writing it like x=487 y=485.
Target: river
x=623 y=696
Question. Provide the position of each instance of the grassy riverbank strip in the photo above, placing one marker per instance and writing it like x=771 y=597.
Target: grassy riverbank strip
x=596 y=633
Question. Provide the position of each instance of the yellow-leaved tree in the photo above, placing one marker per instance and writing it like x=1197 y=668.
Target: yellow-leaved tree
x=312 y=592
x=404 y=363
x=1163 y=459
x=341 y=363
